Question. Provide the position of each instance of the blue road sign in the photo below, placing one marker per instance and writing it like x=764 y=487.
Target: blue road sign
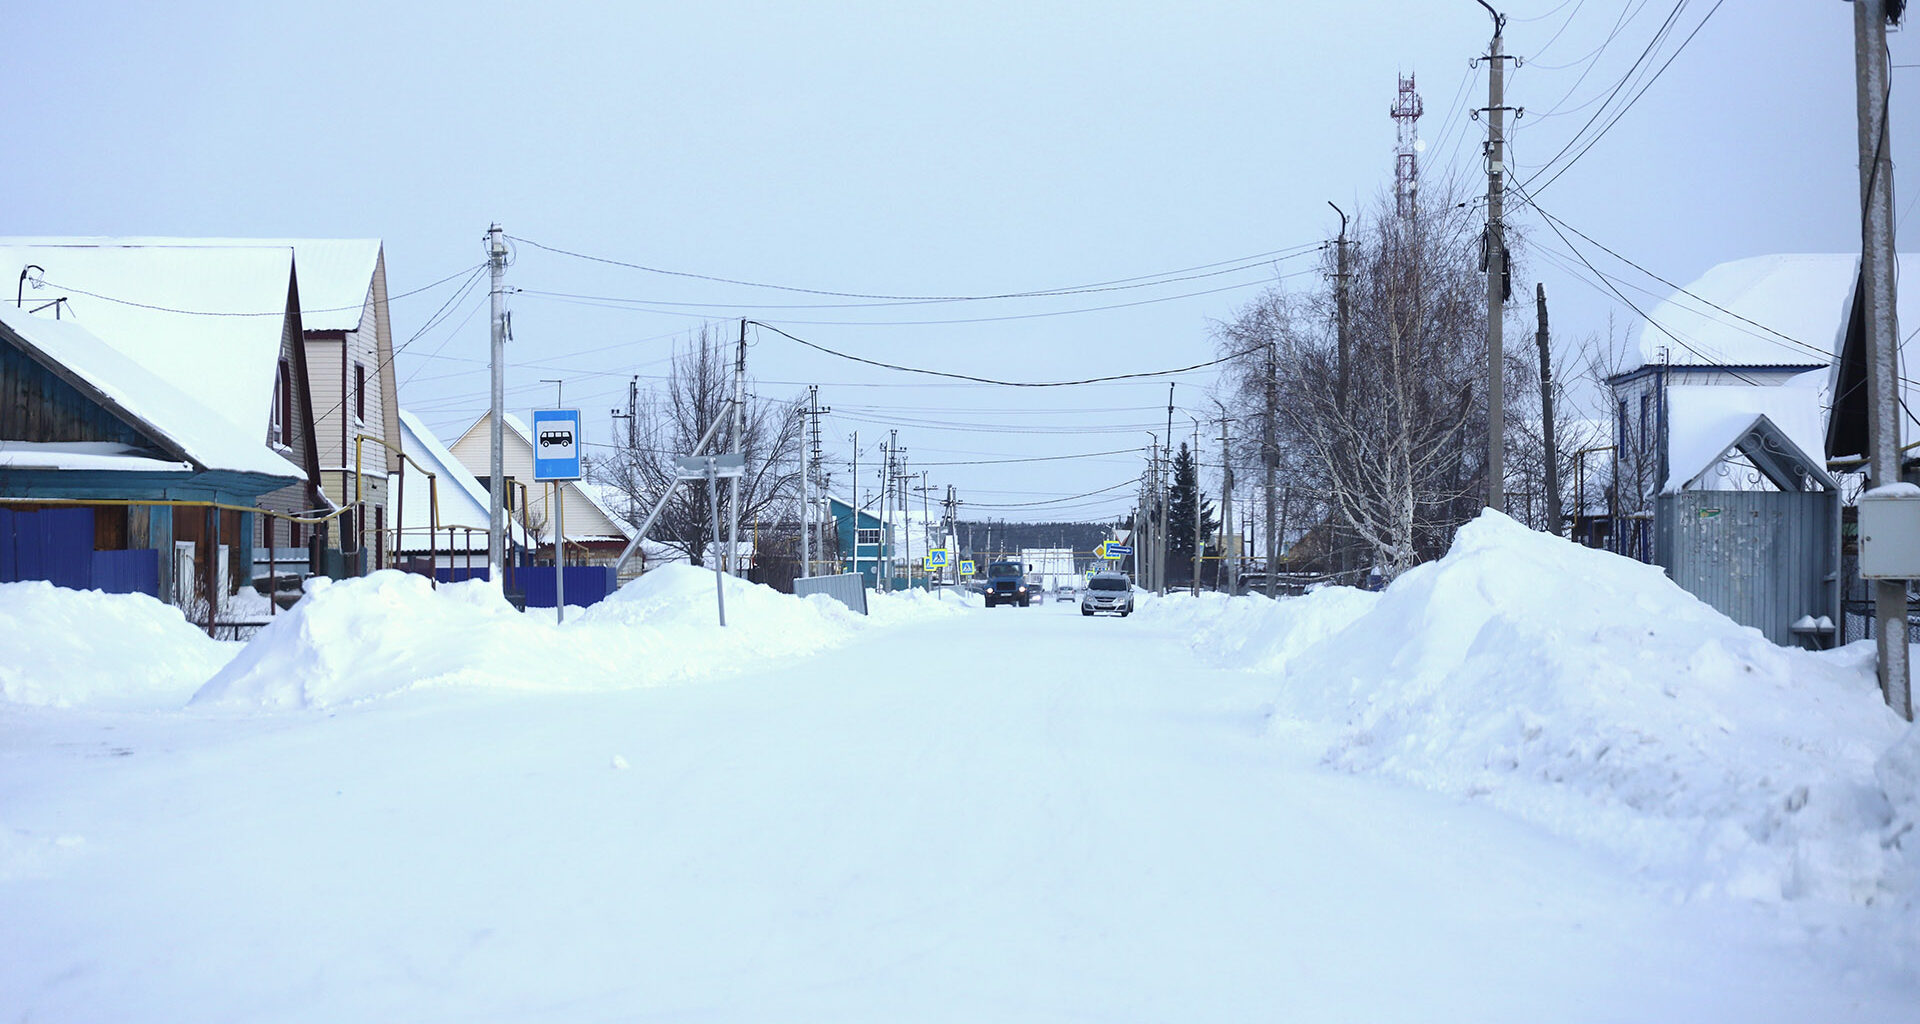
x=1117 y=550
x=556 y=444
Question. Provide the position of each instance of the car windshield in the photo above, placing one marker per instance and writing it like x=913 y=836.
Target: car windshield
x=1107 y=584
x=1004 y=569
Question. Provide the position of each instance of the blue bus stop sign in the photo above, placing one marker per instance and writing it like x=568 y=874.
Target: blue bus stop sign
x=556 y=444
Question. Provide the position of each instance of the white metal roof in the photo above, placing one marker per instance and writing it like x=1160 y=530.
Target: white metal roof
x=149 y=400
x=463 y=502
x=206 y=319
x=336 y=274
x=1794 y=306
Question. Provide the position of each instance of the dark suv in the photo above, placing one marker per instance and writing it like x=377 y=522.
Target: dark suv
x=1007 y=584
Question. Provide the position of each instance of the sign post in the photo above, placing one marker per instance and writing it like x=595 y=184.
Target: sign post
x=556 y=458
x=711 y=468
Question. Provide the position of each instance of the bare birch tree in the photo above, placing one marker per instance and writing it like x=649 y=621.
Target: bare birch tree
x=669 y=423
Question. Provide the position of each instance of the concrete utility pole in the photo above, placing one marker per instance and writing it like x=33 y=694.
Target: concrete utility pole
x=497 y=486
x=1226 y=578
x=853 y=507
x=1546 y=412
x=1877 y=270
x=1495 y=251
x=740 y=447
x=1161 y=537
x=1270 y=458
x=1340 y=278
x=1198 y=545
x=806 y=504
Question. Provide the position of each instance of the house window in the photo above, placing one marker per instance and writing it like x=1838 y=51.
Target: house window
x=1646 y=417
x=1620 y=442
x=360 y=392
x=868 y=538
x=280 y=429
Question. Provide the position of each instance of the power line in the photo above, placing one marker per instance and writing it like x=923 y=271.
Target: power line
x=231 y=313
x=1004 y=383
x=1071 y=289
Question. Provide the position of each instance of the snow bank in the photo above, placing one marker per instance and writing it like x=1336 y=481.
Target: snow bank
x=84 y=648
x=1588 y=693
x=391 y=631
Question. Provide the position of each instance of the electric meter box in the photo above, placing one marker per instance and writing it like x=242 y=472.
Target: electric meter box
x=1890 y=534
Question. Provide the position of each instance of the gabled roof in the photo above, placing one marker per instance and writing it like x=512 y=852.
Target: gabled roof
x=515 y=437
x=206 y=319
x=463 y=502
x=1794 y=307
x=336 y=274
x=185 y=429
x=1706 y=424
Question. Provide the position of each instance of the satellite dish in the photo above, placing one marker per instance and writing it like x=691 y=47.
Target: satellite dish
x=1419 y=145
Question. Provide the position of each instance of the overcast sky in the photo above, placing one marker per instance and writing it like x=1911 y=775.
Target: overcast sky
x=917 y=149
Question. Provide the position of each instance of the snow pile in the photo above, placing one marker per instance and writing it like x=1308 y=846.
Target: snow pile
x=1256 y=633
x=84 y=648
x=1588 y=693
x=391 y=631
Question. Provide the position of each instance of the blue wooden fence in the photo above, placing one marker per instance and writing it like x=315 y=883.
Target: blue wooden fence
x=56 y=545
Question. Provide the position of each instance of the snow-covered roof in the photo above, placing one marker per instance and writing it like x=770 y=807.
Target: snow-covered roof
x=462 y=501
x=206 y=319
x=1794 y=306
x=145 y=399
x=1706 y=421
x=336 y=274
x=109 y=456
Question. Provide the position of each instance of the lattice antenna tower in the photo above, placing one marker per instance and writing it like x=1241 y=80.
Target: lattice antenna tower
x=1406 y=168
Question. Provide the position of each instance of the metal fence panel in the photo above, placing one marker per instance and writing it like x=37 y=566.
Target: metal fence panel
x=848 y=589
x=1763 y=558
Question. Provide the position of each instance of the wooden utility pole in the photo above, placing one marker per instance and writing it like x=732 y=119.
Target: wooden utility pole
x=1546 y=413
x=1877 y=270
x=1340 y=297
x=1199 y=545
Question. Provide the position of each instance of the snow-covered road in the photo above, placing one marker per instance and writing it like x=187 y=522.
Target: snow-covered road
x=993 y=816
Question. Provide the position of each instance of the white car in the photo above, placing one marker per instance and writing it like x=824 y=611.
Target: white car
x=1108 y=592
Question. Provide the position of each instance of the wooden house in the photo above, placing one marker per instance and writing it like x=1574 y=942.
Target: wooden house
x=347 y=335
x=141 y=420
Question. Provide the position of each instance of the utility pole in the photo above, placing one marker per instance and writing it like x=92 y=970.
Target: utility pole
x=1546 y=412
x=497 y=485
x=1877 y=270
x=1227 y=577
x=1494 y=249
x=1270 y=458
x=740 y=448
x=1340 y=278
x=853 y=507
x=1199 y=546
x=1160 y=538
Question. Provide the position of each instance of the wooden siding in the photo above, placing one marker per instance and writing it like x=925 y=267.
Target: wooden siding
x=323 y=362
x=37 y=405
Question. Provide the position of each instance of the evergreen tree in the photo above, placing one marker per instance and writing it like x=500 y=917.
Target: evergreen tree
x=1183 y=501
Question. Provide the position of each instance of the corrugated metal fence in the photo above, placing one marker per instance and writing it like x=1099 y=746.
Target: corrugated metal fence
x=1764 y=558
x=848 y=589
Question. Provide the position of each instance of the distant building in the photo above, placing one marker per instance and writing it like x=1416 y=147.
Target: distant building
x=596 y=534
x=863 y=543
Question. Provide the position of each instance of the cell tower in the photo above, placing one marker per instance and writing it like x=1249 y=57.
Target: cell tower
x=1406 y=171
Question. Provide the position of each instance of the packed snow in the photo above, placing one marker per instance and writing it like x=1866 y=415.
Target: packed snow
x=1526 y=782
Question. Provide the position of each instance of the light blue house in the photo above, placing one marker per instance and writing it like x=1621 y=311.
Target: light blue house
x=861 y=541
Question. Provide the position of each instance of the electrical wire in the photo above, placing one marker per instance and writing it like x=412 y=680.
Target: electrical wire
x=1036 y=293
x=1004 y=383
x=232 y=313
